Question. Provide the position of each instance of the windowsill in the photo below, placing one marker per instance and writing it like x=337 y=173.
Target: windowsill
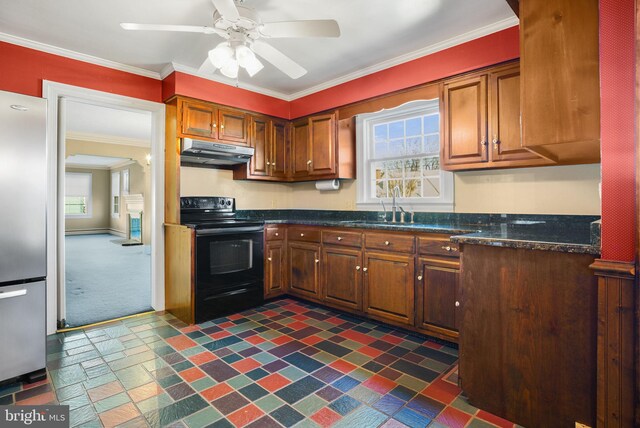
x=408 y=206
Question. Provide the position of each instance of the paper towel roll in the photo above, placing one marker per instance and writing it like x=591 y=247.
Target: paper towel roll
x=328 y=184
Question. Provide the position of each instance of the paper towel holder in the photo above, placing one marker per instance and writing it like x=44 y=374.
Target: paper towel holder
x=328 y=184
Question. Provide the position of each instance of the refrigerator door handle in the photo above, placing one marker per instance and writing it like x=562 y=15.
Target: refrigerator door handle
x=15 y=293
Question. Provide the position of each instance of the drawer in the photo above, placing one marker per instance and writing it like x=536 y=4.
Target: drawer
x=337 y=237
x=306 y=234
x=390 y=242
x=275 y=233
x=438 y=246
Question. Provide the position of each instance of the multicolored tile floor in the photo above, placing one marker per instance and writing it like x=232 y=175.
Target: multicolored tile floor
x=286 y=363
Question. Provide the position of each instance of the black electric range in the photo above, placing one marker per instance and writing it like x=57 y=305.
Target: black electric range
x=229 y=267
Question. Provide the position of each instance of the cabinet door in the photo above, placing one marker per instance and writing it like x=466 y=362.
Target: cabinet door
x=389 y=286
x=278 y=157
x=437 y=293
x=322 y=144
x=300 y=156
x=259 y=132
x=232 y=126
x=506 y=142
x=274 y=272
x=304 y=261
x=465 y=121
x=342 y=277
x=198 y=119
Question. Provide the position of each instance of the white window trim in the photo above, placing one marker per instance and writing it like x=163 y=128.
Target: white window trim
x=115 y=174
x=89 y=197
x=444 y=203
x=124 y=179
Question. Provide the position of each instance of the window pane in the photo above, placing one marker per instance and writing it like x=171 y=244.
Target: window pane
x=414 y=145
x=431 y=187
x=432 y=143
x=432 y=124
x=396 y=129
x=395 y=169
x=413 y=127
x=75 y=205
x=392 y=187
x=431 y=164
x=380 y=133
x=412 y=168
x=381 y=189
x=413 y=188
x=396 y=148
x=381 y=150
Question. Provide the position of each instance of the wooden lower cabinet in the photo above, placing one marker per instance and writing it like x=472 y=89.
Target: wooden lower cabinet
x=342 y=277
x=274 y=268
x=304 y=269
x=389 y=286
x=438 y=294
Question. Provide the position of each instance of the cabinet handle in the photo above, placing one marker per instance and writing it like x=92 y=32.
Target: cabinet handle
x=215 y=125
x=419 y=277
x=357 y=267
x=277 y=234
x=317 y=260
x=364 y=269
x=309 y=162
x=457 y=304
x=386 y=242
x=302 y=234
x=339 y=238
x=483 y=143
x=222 y=126
x=446 y=248
x=269 y=258
x=268 y=163
x=495 y=142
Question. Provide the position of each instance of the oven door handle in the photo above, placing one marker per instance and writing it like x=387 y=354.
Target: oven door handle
x=228 y=230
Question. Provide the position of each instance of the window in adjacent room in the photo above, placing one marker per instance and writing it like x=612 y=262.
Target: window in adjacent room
x=399 y=151
x=77 y=194
x=125 y=181
x=115 y=194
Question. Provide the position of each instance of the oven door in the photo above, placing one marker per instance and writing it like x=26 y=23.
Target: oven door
x=229 y=270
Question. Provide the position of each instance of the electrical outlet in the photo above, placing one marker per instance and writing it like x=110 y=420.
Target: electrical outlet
x=579 y=425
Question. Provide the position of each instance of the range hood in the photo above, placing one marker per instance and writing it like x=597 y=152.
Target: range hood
x=203 y=153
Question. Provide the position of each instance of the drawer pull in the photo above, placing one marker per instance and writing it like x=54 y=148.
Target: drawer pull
x=277 y=234
x=386 y=242
x=357 y=267
x=339 y=238
x=419 y=277
x=446 y=248
x=302 y=234
x=364 y=269
x=317 y=260
x=269 y=258
x=14 y=293
x=457 y=304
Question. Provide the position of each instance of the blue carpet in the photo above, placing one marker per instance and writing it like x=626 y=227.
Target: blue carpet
x=105 y=280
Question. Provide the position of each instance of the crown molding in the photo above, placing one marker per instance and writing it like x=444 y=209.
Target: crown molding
x=174 y=66
x=86 y=166
x=15 y=40
x=107 y=139
x=462 y=38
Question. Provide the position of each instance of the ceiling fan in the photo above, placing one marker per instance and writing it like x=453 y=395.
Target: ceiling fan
x=243 y=31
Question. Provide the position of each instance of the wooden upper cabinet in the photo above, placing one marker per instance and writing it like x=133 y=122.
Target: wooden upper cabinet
x=279 y=148
x=259 y=140
x=504 y=117
x=208 y=121
x=232 y=126
x=465 y=121
x=560 y=79
x=322 y=145
x=300 y=162
x=198 y=119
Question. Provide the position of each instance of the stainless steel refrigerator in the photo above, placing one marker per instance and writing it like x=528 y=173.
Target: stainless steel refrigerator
x=23 y=264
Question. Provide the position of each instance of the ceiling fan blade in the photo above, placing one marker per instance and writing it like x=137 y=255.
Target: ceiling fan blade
x=314 y=28
x=227 y=9
x=179 y=28
x=207 y=67
x=278 y=59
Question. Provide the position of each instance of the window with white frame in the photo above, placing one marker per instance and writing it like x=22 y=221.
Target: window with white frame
x=77 y=194
x=115 y=194
x=399 y=152
x=125 y=181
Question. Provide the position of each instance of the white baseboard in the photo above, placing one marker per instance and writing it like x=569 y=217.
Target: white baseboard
x=118 y=233
x=86 y=232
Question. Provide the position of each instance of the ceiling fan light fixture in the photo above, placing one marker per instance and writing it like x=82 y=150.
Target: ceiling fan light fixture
x=221 y=55
x=230 y=69
x=244 y=55
x=253 y=66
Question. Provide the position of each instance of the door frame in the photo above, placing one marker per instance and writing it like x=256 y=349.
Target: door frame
x=57 y=94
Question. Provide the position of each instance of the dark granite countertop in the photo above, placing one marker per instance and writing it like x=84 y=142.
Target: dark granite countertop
x=562 y=233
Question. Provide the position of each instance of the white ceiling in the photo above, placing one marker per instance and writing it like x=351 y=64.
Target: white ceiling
x=375 y=33
x=90 y=161
x=108 y=125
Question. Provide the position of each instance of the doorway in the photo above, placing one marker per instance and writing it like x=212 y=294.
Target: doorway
x=105 y=206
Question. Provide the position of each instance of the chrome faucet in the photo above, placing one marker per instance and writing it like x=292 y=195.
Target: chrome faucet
x=384 y=209
x=394 y=207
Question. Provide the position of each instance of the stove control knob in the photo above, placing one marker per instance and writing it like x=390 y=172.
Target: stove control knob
x=228 y=202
